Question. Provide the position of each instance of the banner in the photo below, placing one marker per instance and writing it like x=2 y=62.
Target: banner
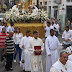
x=58 y=1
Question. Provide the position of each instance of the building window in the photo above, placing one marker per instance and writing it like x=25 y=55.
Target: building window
x=45 y=2
x=40 y=3
x=45 y=8
x=68 y=0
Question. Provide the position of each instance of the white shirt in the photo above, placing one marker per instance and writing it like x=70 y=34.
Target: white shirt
x=47 y=29
x=56 y=26
x=17 y=37
x=10 y=29
x=52 y=27
x=69 y=49
x=67 y=35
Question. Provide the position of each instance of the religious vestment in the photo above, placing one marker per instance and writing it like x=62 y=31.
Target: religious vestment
x=36 y=60
x=59 y=67
x=25 y=53
x=51 y=45
x=70 y=57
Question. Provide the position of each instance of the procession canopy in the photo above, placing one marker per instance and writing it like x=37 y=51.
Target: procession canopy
x=26 y=4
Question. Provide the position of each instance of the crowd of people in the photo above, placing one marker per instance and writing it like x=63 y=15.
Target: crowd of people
x=30 y=48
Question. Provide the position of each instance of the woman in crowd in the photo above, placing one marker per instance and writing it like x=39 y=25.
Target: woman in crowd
x=17 y=38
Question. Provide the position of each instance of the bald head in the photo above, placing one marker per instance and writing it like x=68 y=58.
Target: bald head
x=11 y=34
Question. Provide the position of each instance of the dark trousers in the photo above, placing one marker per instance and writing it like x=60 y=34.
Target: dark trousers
x=1 y=54
x=9 y=60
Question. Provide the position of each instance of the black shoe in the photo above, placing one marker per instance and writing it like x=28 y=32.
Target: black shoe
x=7 y=69
x=11 y=69
x=23 y=70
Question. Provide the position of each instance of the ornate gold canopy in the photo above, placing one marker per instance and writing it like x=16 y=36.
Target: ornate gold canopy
x=26 y=4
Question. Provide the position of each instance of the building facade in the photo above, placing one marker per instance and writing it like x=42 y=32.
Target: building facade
x=61 y=10
x=41 y=3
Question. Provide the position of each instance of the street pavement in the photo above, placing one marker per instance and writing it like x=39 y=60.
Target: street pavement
x=16 y=66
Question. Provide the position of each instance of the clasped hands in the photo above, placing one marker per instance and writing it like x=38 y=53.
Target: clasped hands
x=38 y=51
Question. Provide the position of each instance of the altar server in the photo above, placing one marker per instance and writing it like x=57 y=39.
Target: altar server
x=36 y=60
x=25 y=58
x=51 y=45
x=63 y=64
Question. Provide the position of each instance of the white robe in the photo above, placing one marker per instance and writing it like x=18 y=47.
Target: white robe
x=36 y=60
x=59 y=67
x=25 y=53
x=51 y=45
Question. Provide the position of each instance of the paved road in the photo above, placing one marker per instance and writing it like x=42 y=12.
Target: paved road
x=16 y=66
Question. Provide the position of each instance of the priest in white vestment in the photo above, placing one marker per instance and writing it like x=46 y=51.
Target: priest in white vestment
x=25 y=58
x=36 y=60
x=51 y=45
x=63 y=64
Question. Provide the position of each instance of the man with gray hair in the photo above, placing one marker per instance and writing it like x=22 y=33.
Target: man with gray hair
x=63 y=64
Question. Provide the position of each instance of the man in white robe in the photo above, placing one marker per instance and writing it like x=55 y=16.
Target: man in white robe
x=51 y=45
x=36 y=60
x=25 y=58
x=63 y=64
